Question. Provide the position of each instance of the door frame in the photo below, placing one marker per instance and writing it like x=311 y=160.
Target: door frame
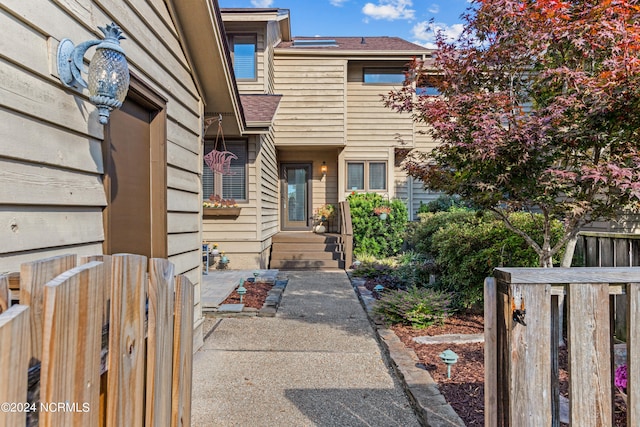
x=145 y=96
x=284 y=191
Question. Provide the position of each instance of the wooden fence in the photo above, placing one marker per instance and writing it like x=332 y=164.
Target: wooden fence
x=521 y=352
x=105 y=343
x=598 y=249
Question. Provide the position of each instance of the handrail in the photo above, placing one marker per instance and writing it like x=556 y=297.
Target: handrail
x=346 y=232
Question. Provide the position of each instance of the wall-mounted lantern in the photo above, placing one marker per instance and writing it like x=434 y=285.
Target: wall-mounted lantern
x=323 y=169
x=108 y=73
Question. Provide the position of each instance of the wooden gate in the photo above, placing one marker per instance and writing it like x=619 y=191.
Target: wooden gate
x=105 y=343
x=521 y=351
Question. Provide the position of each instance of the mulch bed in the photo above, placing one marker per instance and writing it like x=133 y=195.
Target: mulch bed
x=464 y=391
x=255 y=296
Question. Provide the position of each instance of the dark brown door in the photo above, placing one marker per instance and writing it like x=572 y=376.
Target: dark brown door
x=135 y=180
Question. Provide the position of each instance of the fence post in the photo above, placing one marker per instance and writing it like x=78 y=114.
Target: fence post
x=160 y=343
x=14 y=362
x=72 y=337
x=125 y=390
x=490 y=354
x=633 y=354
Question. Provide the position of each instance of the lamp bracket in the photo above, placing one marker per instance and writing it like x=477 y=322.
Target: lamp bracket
x=71 y=62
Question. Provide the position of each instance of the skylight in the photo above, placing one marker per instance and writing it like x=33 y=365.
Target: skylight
x=315 y=43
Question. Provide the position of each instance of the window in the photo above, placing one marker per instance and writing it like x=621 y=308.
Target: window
x=384 y=75
x=243 y=52
x=374 y=174
x=233 y=186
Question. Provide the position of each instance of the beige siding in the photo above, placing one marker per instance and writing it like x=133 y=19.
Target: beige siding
x=268 y=179
x=273 y=38
x=51 y=166
x=312 y=110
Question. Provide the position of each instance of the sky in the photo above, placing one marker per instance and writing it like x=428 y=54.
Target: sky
x=407 y=19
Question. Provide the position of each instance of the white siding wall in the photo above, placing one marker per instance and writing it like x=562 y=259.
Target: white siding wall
x=51 y=166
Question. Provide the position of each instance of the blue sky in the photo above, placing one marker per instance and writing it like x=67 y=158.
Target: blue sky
x=408 y=19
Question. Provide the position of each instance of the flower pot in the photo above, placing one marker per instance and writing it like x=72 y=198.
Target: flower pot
x=382 y=216
x=215 y=252
x=319 y=228
x=224 y=259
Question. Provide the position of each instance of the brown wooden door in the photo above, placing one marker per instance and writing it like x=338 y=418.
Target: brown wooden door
x=135 y=179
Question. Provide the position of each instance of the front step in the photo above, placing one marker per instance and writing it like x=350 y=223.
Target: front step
x=306 y=250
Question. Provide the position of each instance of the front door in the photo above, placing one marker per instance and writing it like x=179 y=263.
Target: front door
x=296 y=197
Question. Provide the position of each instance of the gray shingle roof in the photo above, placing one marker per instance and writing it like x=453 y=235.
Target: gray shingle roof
x=359 y=44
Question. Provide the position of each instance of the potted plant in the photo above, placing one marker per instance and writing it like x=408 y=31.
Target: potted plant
x=382 y=212
x=323 y=213
x=223 y=258
x=214 y=250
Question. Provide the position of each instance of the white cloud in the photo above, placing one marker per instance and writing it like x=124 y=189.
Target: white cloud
x=434 y=8
x=261 y=3
x=425 y=32
x=337 y=3
x=389 y=10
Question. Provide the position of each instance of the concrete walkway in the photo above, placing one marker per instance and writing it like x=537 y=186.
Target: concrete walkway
x=316 y=363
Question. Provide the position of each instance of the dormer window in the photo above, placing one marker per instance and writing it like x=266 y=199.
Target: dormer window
x=243 y=52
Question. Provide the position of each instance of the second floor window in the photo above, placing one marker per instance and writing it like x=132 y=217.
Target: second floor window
x=243 y=51
x=384 y=75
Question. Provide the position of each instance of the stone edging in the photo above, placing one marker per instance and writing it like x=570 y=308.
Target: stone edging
x=423 y=392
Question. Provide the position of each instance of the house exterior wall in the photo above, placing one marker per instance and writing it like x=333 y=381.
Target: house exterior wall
x=51 y=164
x=312 y=111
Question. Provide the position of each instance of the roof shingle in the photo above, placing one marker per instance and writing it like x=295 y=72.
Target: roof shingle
x=384 y=43
x=259 y=108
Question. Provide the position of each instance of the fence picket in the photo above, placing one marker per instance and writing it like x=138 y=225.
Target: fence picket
x=33 y=276
x=160 y=343
x=182 y=353
x=589 y=343
x=72 y=332
x=14 y=362
x=490 y=353
x=125 y=390
x=531 y=346
x=5 y=296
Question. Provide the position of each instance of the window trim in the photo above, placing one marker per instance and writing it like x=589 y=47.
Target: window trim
x=366 y=176
x=231 y=43
x=246 y=166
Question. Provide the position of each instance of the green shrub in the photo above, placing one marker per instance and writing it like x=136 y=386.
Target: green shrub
x=371 y=235
x=418 y=307
x=467 y=247
x=444 y=203
x=421 y=235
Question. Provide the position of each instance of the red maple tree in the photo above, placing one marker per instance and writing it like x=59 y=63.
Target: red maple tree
x=538 y=110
